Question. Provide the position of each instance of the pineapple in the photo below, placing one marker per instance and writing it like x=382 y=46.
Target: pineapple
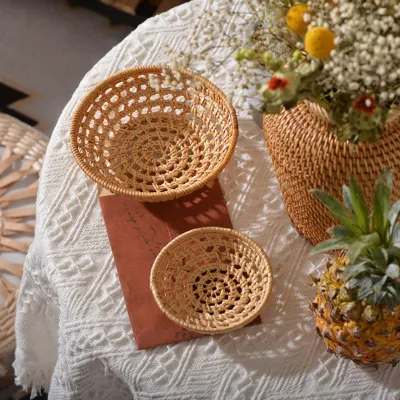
x=357 y=306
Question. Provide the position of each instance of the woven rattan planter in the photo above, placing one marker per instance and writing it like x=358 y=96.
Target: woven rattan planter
x=306 y=155
x=149 y=145
x=211 y=280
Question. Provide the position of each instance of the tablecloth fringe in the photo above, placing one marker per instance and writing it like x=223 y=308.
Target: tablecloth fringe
x=36 y=380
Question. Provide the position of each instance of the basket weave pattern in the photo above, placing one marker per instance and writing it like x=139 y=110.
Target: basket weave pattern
x=149 y=145
x=306 y=155
x=211 y=280
x=22 y=150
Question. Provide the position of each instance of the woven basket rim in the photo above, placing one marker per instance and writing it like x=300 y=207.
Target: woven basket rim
x=25 y=125
x=206 y=230
x=149 y=196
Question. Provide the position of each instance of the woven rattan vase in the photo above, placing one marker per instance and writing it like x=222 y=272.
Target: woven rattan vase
x=306 y=155
x=211 y=280
x=153 y=145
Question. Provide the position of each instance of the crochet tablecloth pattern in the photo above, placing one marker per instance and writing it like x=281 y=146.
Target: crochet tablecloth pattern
x=73 y=333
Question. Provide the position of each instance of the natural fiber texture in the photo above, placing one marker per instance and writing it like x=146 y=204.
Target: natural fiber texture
x=317 y=111
x=149 y=145
x=211 y=280
x=306 y=155
x=22 y=149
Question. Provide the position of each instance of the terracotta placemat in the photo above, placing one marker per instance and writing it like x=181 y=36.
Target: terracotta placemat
x=137 y=232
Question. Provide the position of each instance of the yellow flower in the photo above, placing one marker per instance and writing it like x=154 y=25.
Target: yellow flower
x=319 y=42
x=295 y=19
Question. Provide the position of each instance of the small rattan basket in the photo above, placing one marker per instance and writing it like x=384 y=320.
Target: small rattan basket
x=153 y=145
x=211 y=280
x=306 y=155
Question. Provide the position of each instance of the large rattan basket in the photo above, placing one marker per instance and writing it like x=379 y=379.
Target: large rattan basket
x=153 y=145
x=211 y=280
x=306 y=155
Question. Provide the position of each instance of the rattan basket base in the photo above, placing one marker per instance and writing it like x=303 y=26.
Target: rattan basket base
x=161 y=155
x=306 y=155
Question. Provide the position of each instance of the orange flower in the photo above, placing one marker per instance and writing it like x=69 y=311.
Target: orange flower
x=366 y=104
x=276 y=83
x=295 y=19
x=319 y=42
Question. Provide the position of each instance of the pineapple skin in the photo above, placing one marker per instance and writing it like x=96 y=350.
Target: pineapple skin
x=363 y=333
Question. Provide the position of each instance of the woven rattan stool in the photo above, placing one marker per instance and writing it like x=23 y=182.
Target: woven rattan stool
x=22 y=149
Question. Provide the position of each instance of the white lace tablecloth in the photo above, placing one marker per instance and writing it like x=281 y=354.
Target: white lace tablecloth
x=73 y=333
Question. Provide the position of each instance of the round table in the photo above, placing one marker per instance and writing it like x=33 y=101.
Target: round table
x=73 y=333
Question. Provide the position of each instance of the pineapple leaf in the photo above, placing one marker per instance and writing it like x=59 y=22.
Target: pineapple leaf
x=347 y=198
x=364 y=287
x=383 y=191
x=341 y=231
x=392 y=290
x=380 y=256
x=393 y=295
x=377 y=288
x=393 y=271
x=360 y=205
x=372 y=241
x=394 y=251
x=376 y=298
x=396 y=233
x=354 y=270
x=336 y=210
x=397 y=287
x=391 y=299
x=356 y=250
x=362 y=243
x=393 y=217
x=334 y=243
